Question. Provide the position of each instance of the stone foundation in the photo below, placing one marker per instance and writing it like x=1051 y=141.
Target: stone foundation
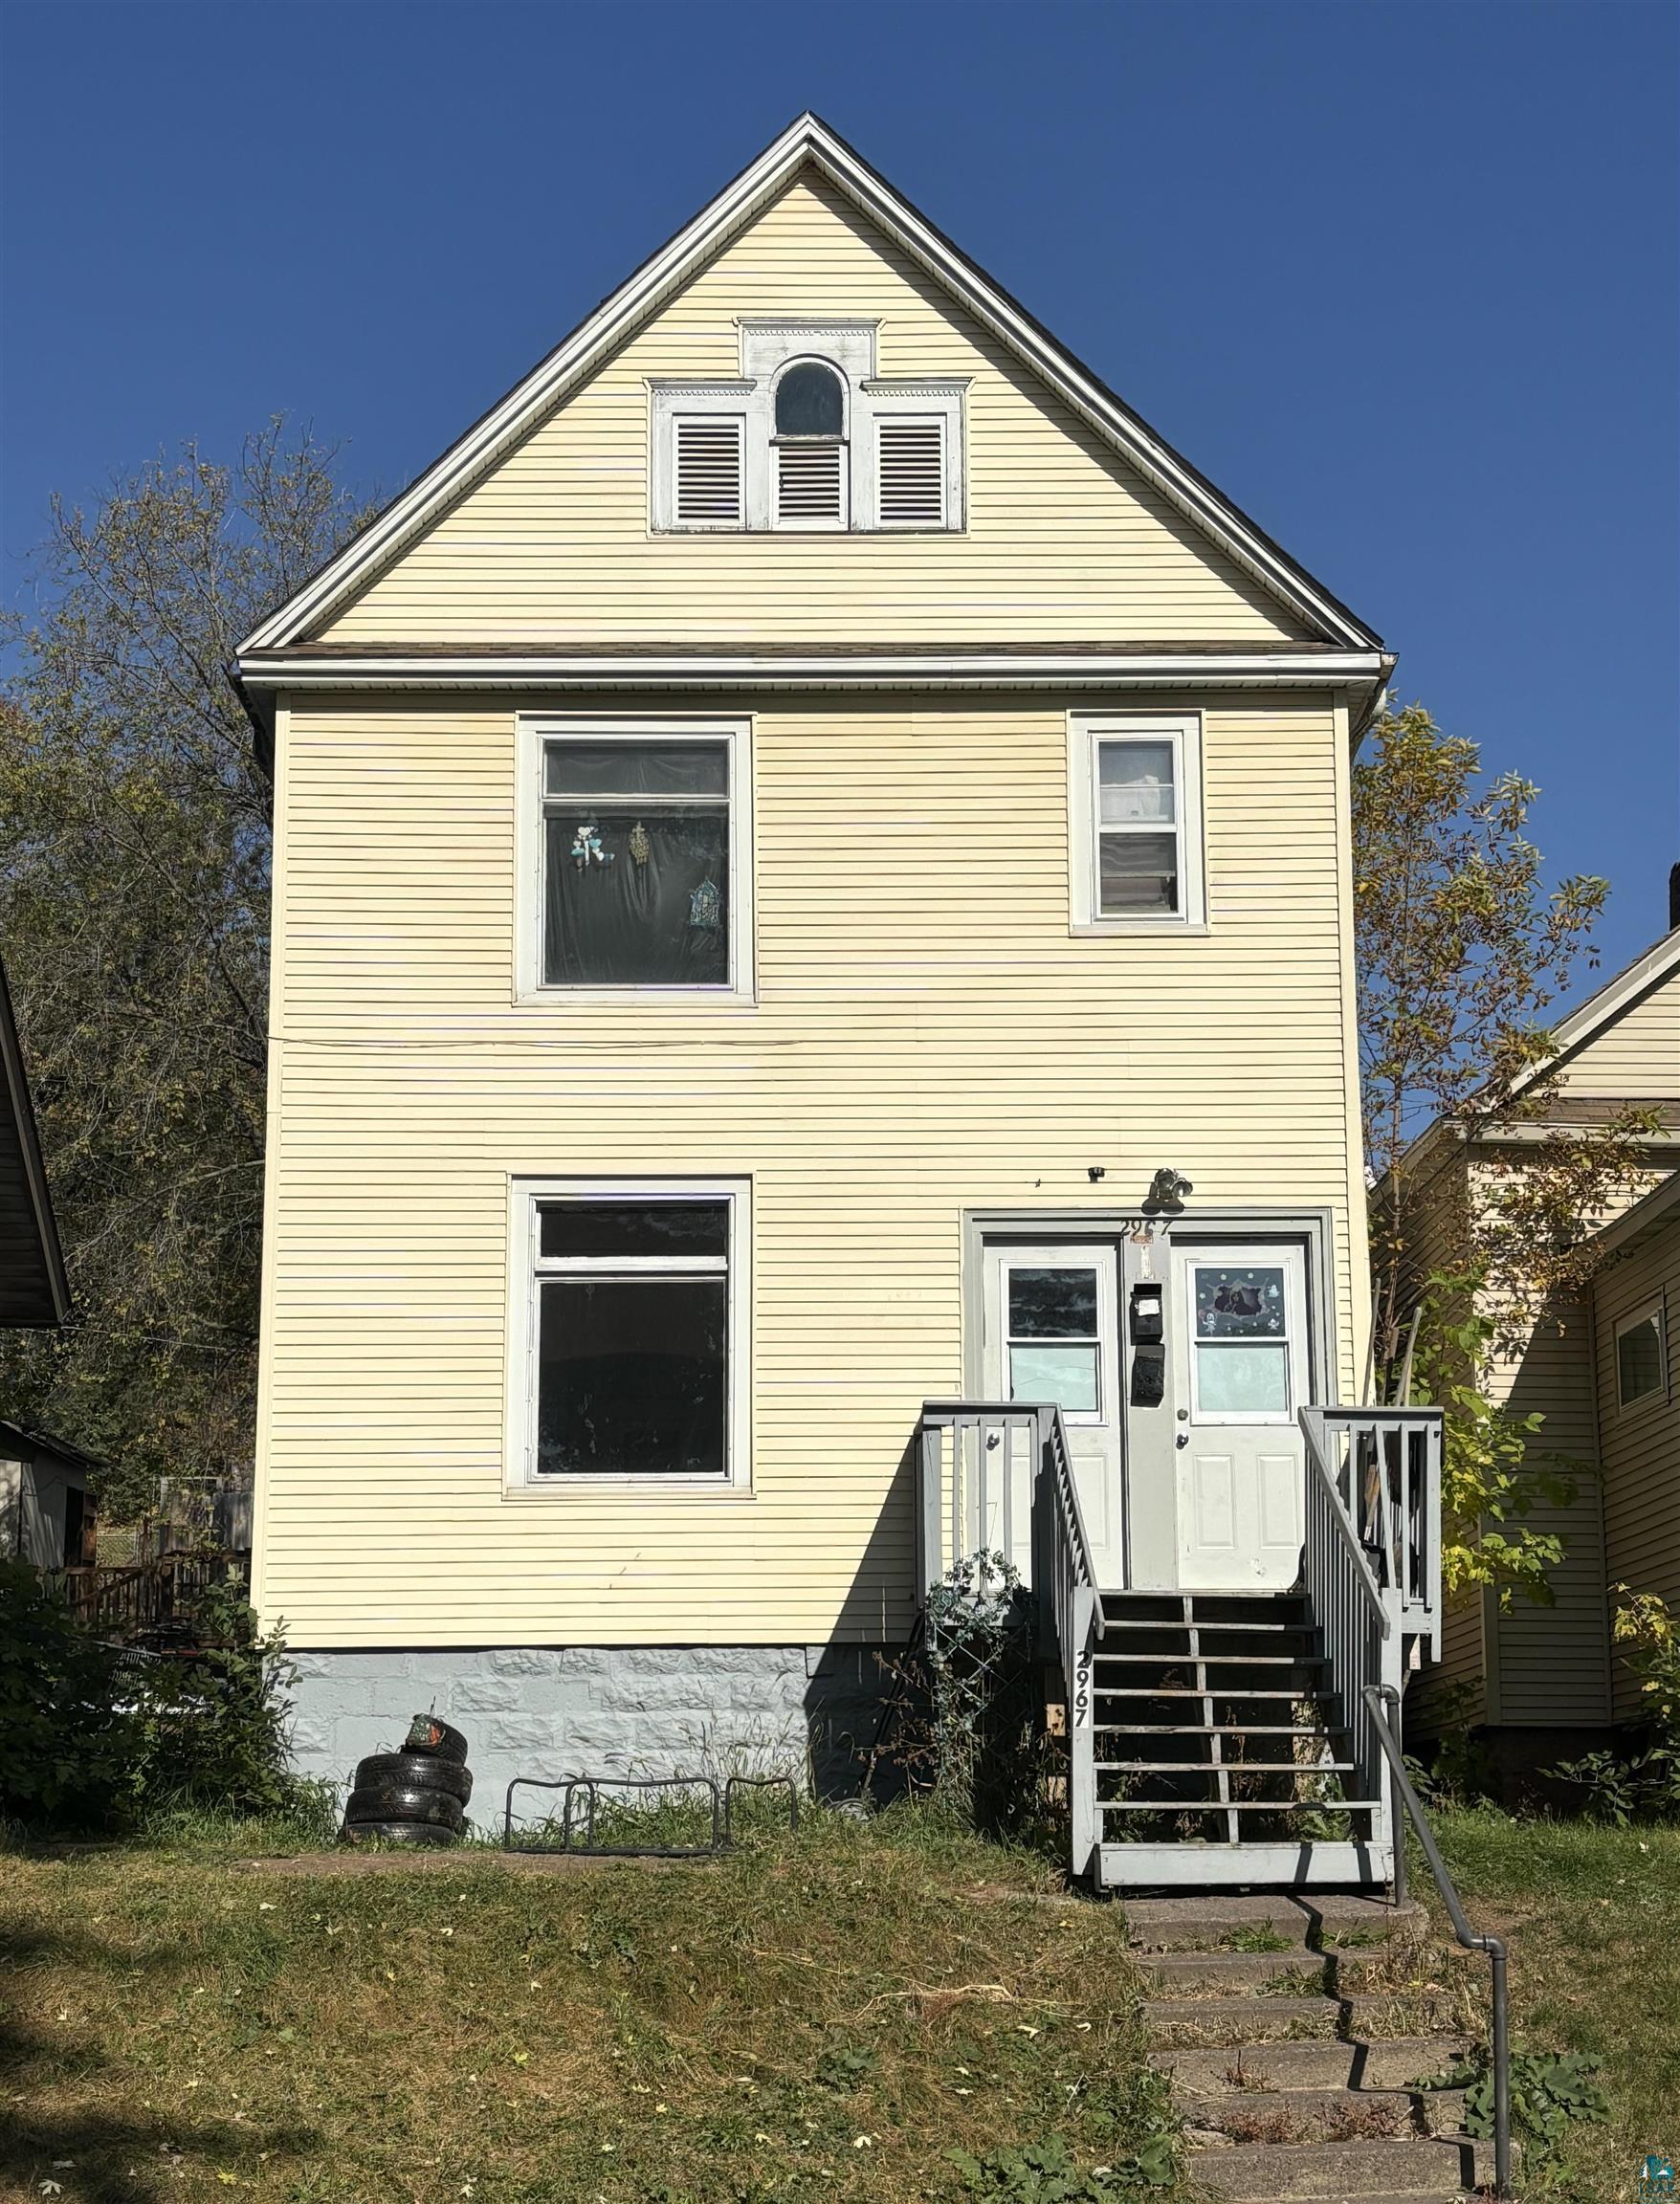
x=558 y=1710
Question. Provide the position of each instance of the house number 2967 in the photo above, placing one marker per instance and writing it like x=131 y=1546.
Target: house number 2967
x=1082 y=1693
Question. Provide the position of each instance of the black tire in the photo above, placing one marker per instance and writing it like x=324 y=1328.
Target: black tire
x=414 y=1771
x=437 y=1739
x=394 y=1802
x=396 y=1832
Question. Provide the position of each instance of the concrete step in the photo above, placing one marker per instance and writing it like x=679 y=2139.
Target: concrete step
x=1338 y=2172
x=1325 y=2115
x=1397 y=2062
x=1297 y=1973
x=1206 y=2017
x=1238 y=2022
x=1203 y=1924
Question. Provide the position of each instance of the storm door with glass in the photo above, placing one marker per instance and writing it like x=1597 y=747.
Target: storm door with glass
x=1241 y=1379
x=1050 y=1338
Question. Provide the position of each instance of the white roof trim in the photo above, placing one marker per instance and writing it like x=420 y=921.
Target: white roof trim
x=995 y=669
x=1589 y=1019
x=805 y=142
x=1647 y=1213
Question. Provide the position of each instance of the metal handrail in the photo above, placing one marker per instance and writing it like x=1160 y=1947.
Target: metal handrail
x=1311 y=1422
x=1378 y=1697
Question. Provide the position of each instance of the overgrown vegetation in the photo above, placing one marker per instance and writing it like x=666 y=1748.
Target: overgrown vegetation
x=966 y=1722
x=1639 y=1778
x=134 y=910
x=1592 y=1918
x=1492 y=1471
x=821 y=2017
x=94 y=1740
x=1462 y=953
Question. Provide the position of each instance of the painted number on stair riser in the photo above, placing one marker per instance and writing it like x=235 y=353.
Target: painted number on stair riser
x=1082 y=1693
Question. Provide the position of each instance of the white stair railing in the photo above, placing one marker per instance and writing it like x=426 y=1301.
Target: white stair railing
x=996 y=1477
x=1370 y=1566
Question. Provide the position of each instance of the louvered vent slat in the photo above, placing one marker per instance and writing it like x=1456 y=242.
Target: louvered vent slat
x=709 y=472
x=808 y=482
x=912 y=473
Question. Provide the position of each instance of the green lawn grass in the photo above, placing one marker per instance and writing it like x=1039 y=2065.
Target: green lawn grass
x=826 y=2016
x=1592 y=1919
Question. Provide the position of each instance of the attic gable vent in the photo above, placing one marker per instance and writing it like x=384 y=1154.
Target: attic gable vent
x=811 y=486
x=912 y=474
x=709 y=472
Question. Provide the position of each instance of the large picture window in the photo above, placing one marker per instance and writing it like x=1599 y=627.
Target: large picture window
x=637 y=849
x=635 y=1331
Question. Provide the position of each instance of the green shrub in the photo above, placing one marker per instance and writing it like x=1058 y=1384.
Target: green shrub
x=63 y=1744
x=95 y=1740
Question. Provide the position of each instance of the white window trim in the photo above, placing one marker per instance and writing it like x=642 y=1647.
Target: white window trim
x=533 y=730
x=767 y=347
x=673 y=400
x=1067 y=1255
x=1184 y=730
x=805 y=525
x=1658 y=1395
x=933 y=398
x=1255 y=1255
x=521 y=1480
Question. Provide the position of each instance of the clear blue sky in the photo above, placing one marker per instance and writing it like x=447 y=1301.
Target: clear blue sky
x=1403 y=279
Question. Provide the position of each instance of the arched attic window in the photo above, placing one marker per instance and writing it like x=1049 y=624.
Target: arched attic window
x=811 y=475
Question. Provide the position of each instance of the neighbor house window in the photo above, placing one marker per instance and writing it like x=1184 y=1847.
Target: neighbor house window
x=638 y=847
x=637 y=1333
x=1640 y=1357
x=1135 y=802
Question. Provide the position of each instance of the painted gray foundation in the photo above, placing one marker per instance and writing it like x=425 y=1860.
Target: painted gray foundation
x=558 y=1710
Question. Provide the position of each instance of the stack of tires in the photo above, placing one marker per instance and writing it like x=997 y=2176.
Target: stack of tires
x=415 y=1796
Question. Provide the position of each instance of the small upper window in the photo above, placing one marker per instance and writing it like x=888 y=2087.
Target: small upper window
x=810 y=402
x=1136 y=803
x=1640 y=1373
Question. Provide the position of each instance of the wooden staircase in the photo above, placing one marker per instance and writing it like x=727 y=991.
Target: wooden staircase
x=1221 y=1751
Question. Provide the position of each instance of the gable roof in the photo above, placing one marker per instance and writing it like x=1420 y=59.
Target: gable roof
x=1600 y=1010
x=808 y=142
x=34 y=1288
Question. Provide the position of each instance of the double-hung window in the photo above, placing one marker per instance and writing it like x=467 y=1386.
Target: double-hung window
x=636 y=1332
x=1135 y=809
x=635 y=851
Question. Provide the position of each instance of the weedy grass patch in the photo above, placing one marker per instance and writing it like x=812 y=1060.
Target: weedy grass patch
x=854 y=2012
x=1592 y=1918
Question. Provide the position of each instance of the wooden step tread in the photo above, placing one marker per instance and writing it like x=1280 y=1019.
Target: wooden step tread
x=1215 y=1730
x=1238 y=1805
x=1250 y=1629
x=1225 y=1767
x=1226 y=1659
x=1184 y=1691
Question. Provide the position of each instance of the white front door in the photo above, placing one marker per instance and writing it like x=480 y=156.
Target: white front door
x=1240 y=1376
x=1052 y=1335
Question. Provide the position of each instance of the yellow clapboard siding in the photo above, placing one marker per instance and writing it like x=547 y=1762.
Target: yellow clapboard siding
x=1063 y=541
x=928 y=1038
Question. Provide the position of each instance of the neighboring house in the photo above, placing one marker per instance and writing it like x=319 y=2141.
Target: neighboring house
x=45 y=1507
x=1603 y=1371
x=812 y=882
